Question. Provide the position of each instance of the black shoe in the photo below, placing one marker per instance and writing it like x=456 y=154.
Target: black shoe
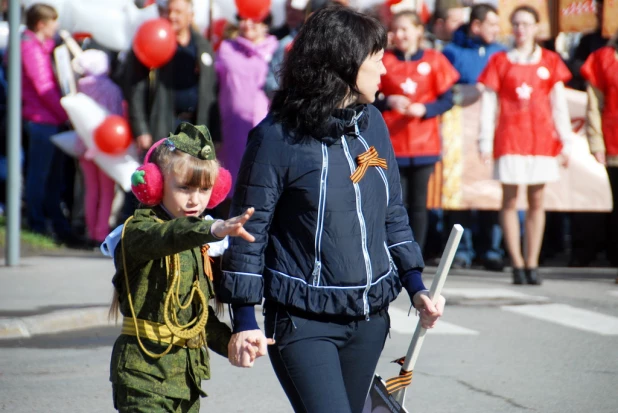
x=519 y=276
x=493 y=264
x=533 y=277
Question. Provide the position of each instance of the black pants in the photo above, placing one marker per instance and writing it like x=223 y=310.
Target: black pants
x=325 y=364
x=414 y=182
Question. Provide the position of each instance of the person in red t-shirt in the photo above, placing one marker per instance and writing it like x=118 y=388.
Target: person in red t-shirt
x=529 y=133
x=417 y=90
x=602 y=126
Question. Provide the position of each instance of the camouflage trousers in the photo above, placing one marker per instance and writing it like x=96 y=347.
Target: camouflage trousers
x=130 y=400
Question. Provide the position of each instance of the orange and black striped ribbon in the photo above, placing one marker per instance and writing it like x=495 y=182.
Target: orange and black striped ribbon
x=402 y=381
x=365 y=160
x=207 y=260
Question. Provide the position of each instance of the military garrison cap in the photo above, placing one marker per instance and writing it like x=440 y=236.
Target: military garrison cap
x=194 y=140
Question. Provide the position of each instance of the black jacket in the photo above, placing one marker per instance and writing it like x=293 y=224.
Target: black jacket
x=151 y=98
x=323 y=244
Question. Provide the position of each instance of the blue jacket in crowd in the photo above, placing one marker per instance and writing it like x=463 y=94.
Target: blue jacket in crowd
x=324 y=244
x=469 y=54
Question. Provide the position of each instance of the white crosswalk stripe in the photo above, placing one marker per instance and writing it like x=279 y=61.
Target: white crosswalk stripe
x=404 y=324
x=489 y=294
x=569 y=316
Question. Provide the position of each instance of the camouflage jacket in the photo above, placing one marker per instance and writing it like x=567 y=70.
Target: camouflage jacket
x=150 y=237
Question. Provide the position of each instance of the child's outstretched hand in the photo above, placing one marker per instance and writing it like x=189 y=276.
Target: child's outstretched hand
x=234 y=227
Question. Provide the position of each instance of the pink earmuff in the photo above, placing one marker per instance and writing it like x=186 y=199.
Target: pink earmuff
x=147 y=180
x=147 y=183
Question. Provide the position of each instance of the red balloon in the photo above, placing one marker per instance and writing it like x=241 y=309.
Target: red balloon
x=155 y=43
x=113 y=135
x=255 y=10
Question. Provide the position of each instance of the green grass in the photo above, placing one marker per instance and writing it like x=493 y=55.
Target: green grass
x=28 y=239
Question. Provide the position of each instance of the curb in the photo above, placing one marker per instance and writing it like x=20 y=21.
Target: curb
x=54 y=322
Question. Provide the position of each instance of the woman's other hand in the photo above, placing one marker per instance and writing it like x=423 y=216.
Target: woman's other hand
x=428 y=312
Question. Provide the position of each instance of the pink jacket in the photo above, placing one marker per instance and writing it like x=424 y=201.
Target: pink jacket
x=40 y=92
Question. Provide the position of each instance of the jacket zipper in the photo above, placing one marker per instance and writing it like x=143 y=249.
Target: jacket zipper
x=363 y=228
x=317 y=264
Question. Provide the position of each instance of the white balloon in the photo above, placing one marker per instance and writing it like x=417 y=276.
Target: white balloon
x=66 y=141
x=85 y=115
x=107 y=25
x=119 y=167
x=136 y=17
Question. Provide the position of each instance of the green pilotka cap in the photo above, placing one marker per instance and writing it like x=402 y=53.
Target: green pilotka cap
x=194 y=140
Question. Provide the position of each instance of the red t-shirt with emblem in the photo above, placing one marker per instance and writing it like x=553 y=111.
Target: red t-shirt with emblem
x=422 y=81
x=525 y=125
x=601 y=70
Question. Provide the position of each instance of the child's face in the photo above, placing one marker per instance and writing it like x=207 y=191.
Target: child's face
x=48 y=28
x=406 y=35
x=182 y=200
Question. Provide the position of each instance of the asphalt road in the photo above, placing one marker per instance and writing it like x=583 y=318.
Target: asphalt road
x=554 y=351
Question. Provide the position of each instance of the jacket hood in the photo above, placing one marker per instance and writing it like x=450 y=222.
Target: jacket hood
x=342 y=121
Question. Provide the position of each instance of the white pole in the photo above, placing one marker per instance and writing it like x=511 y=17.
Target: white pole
x=434 y=292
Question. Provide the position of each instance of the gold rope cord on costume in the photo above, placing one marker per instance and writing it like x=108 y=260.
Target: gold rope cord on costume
x=177 y=330
x=452 y=160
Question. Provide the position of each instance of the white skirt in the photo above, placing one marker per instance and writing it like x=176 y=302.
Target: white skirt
x=526 y=169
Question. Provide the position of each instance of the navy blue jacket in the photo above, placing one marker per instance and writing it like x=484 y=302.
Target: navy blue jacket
x=323 y=244
x=469 y=54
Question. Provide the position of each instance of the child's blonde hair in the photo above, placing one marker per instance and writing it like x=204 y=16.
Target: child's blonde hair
x=190 y=170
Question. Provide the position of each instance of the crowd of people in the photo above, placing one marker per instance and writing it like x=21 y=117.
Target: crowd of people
x=429 y=64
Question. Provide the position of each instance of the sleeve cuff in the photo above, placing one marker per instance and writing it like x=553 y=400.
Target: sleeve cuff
x=413 y=282
x=244 y=318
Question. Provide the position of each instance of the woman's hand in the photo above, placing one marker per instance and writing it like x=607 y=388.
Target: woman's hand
x=398 y=103
x=416 y=110
x=234 y=227
x=564 y=160
x=246 y=346
x=428 y=312
x=600 y=157
x=485 y=157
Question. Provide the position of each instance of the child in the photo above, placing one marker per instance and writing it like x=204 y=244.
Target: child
x=417 y=88
x=44 y=117
x=98 y=187
x=164 y=279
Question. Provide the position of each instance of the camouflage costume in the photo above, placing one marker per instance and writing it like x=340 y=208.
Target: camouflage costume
x=171 y=383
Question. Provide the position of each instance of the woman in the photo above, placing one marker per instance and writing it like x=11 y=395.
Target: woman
x=242 y=66
x=333 y=246
x=44 y=117
x=533 y=129
x=602 y=126
x=417 y=88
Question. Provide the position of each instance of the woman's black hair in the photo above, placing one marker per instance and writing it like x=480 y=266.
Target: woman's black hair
x=321 y=68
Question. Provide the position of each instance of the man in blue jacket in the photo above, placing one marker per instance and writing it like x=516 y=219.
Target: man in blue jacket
x=472 y=46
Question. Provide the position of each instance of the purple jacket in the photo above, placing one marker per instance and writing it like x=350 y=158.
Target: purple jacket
x=241 y=69
x=40 y=91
